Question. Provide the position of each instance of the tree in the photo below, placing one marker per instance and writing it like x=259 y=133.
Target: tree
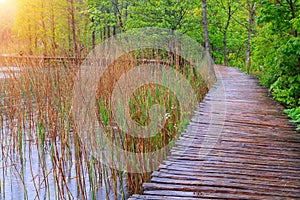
x=251 y=10
x=73 y=28
x=230 y=9
x=6 y=26
x=205 y=25
x=277 y=49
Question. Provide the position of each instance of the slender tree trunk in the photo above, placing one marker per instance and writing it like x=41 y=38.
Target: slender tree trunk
x=225 y=35
x=295 y=33
x=250 y=30
x=292 y=7
x=73 y=25
x=103 y=34
x=93 y=36
x=29 y=39
x=117 y=15
x=205 y=25
x=69 y=37
x=108 y=32
x=225 y=48
x=53 y=28
x=44 y=37
x=114 y=30
x=126 y=12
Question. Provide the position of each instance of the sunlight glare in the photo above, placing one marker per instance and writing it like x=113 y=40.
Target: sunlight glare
x=2 y=1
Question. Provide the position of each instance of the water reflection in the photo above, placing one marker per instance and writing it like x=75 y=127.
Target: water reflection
x=9 y=72
x=28 y=172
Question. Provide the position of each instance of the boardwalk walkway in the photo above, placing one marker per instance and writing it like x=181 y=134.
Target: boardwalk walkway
x=255 y=156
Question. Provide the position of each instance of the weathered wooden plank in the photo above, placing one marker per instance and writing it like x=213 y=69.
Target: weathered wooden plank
x=278 y=153
x=238 y=154
x=154 y=197
x=273 y=178
x=245 y=142
x=259 y=169
x=210 y=171
x=201 y=191
x=223 y=182
x=283 y=136
x=257 y=164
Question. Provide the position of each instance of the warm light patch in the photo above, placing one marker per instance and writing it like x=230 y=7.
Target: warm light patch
x=2 y=1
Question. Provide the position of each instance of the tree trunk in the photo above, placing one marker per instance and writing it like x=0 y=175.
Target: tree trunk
x=93 y=35
x=292 y=7
x=250 y=30
x=29 y=40
x=108 y=31
x=117 y=16
x=225 y=35
x=53 y=28
x=295 y=33
x=44 y=37
x=225 y=47
x=73 y=25
x=205 y=26
x=114 y=30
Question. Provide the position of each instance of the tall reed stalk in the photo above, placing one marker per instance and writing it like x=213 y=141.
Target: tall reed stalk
x=40 y=144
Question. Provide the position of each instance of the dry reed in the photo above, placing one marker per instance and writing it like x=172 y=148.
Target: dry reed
x=39 y=137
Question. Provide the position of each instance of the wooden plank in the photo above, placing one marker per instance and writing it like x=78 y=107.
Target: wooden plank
x=201 y=191
x=238 y=162
x=239 y=182
x=263 y=170
x=154 y=197
x=238 y=174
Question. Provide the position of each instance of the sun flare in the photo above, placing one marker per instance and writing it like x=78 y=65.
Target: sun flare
x=2 y=1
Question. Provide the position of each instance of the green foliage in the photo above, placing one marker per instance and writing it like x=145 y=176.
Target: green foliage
x=282 y=74
x=182 y=16
x=171 y=14
x=286 y=90
x=277 y=52
x=294 y=113
x=101 y=14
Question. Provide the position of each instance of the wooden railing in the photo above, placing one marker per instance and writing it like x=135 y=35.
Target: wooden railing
x=21 y=61
x=34 y=60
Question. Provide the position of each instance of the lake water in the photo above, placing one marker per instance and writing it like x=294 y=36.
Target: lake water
x=8 y=72
x=14 y=177
x=23 y=175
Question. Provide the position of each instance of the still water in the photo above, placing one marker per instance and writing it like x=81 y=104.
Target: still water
x=28 y=173
x=8 y=72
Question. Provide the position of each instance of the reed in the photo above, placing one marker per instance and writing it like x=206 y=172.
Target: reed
x=39 y=139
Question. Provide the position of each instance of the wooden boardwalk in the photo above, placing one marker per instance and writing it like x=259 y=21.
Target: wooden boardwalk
x=255 y=156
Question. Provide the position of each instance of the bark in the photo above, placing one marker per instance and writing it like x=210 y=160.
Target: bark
x=73 y=25
x=205 y=25
x=53 y=28
x=69 y=37
x=292 y=7
x=225 y=35
x=44 y=38
x=93 y=36
x=29 y=39
x=114 y=30
x=117 y=15
x=250 y=30
x=108 y=31
x=295 y=33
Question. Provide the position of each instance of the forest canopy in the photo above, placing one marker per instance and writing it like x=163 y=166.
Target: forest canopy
x=257 y=36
